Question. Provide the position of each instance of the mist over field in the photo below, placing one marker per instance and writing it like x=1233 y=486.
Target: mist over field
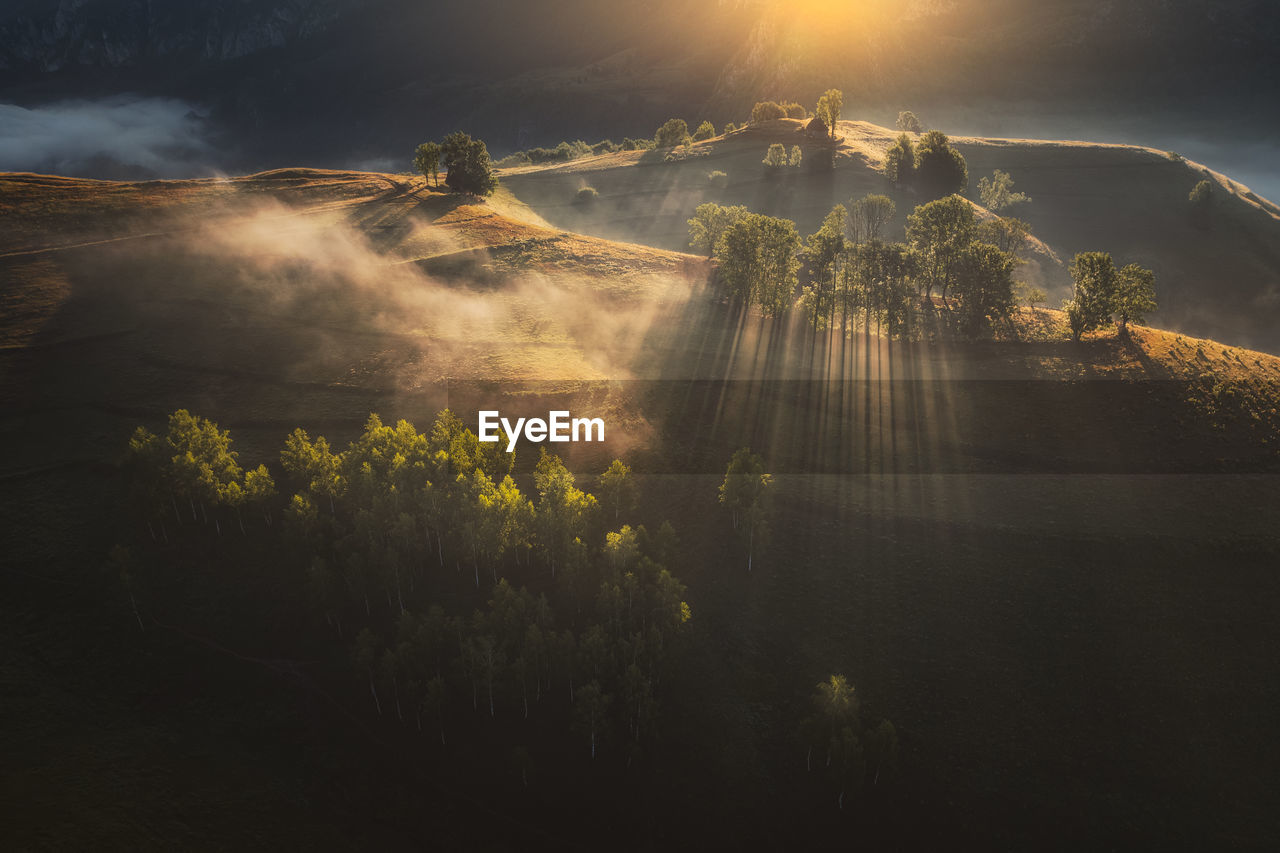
x=119 y=138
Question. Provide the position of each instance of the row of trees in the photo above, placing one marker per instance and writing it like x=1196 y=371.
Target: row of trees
x=853 y=274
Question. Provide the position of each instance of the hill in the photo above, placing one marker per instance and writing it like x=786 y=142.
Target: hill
x=1024 y=551
x=1216 y=278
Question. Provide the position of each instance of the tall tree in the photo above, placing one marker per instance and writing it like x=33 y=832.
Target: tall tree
x=1135 y=296
x=869 y=216
x=426 y=159
x=616 y=487
x=748 y=491
x=1094 y=283
x=900 y=161
x=828 y=109
x=939 y=232
x=908 y=122
x=709 y=222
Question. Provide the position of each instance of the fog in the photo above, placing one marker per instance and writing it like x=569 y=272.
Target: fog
x=123 y=137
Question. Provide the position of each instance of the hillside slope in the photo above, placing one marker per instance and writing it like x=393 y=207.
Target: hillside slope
x=1219 y=278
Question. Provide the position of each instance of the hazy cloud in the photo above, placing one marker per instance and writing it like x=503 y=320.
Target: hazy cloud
x=119 y=137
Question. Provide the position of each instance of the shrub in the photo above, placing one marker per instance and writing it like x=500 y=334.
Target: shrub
x=776 y=156
x=706 y=130
x=767 y=111
x=719 y=180
x=673 y=132
x=586 y=195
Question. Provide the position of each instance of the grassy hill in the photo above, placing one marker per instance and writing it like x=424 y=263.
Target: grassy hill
x=1218 y=279
x=1051 y=564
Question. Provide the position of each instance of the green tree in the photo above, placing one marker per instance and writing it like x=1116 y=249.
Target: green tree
x=900 y=161
x=467 y=165
x=869 y=215
x=984 y=283
x=730 y=128
x=709 y=222
x=776 y=156
x=997 y=192
x=794 y=158
x=1201 y=201
x=828 y=109
x=427 y=161
x=758 y=262
x=672 y=133
x=824 y=252
x=908 y=123
x=591 y=706
x=940 y=168
x=1009 y=234
x=939 y=232
x=1094 y=284
x=616 y=487
x=562 y=511
x=767 y=111
x=1135 y=296
x=706 y=130
x=748 y=491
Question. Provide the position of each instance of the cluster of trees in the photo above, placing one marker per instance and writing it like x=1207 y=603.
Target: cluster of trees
x=468 y=168
x=778 y=157
x=854 y=751
x=854 y=276
x=771 y=110
x=382 y=529
x=931 y=166
x=193 y=463
x=1100 y=293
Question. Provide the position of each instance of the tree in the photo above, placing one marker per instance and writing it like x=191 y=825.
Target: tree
x=767 y=111
x=617 y=487
x=997 y=192
x=1135 y=295
x=748 y=491
x=794 y=158
x=828 y=109
x=706 y=130
x=591 y=705
x=730 y=128
x=776 y=156
x=1009 y=234
x=427 y=161
x=940 y=168
x=758 y=262
x=908 y=122
x=1201 y=200
x=824 y=250
x=900 y=161
x=709 y=222
x=984 y=283
x=939 y=232
x=1094 y=284
x=467 y=164
x=869 y=215
x=672 y=133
